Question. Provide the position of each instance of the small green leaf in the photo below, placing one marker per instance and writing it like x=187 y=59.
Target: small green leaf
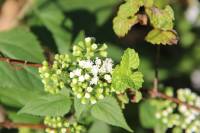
x=126 y=17
x=49 y=105
x=161 y=18
x=130 y=59
x=123 y=76
x=121 y=26
x=157 y=36
x=109 y=111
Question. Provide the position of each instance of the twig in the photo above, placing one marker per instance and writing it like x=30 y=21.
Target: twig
x=15 y=61
x=175 y=100
x=156 y=79
x=11 y=125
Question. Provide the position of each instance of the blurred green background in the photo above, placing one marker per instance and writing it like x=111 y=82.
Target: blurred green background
x=58 y=24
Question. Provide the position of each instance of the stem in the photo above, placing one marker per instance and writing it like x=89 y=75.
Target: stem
x=156 y=78
x=175 y=100
x=15 y=61
x=11 y=125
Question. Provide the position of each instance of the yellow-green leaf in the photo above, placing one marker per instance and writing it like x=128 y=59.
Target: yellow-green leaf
x=126 y=17
x=161 y=18
x=157 y=36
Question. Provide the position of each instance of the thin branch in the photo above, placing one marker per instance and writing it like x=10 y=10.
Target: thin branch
x=175 y=100
x=11 y=125
x=21 y=62
x=156 y=78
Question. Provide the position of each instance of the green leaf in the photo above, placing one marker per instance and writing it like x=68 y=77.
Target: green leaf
x=79 y=108
x=126 y=17
x=49 y=105
x=130 y=59
x=27 y=78
x=23 y=118
x=157 y=36
x=16 y=86
x=109 y=111
x=161 y=18
x=21 y=44
x=17 y=97
x=126 y=75
x=148 y=3
x=53 y=19
x=147 y=114
x=99 y=127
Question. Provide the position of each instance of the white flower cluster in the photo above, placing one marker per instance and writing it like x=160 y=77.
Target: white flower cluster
x=60 y=125
x=180 y=116
x=88 y=49
x=55 y=77
x=91 y=80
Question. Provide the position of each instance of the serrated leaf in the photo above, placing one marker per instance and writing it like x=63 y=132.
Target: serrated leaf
x=126 y=17
x=121 y=26
x=130 y=59
x=109 y=111
x=49 y=105
x=161 y=18
x=123 y=76
x=21 y=44
x=157 y=36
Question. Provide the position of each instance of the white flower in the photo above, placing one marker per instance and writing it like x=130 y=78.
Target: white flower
x=85 y=63
x=89 y=89
x=101 y=97
x=89 y=39
x=78 y=95
x=94 y=46
x=87 y=95
x=108 y=78
x=71 y=74
x=107 y=66
x=95 y=70
x=87 y=76
x=81 y=78
x=98 y=61
x=94 y=80
x=77 y=72
x=93 y=101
